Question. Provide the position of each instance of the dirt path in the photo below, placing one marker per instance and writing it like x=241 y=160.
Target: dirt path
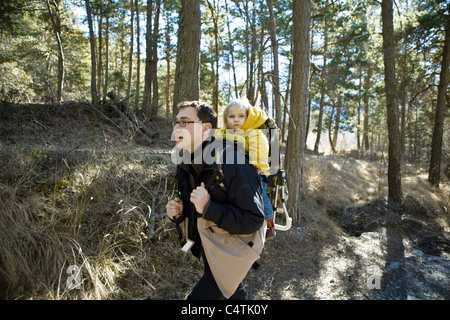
x=316 y=263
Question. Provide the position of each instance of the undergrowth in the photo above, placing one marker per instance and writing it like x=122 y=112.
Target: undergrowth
x=99 y=204
x=102 y=214
x=105 y=214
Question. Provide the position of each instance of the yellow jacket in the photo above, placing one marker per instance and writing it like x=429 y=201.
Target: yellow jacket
x=253 y=139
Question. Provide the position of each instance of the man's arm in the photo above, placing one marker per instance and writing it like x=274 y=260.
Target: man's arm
x=244 y=212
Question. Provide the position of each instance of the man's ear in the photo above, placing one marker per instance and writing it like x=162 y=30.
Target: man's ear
x=207 y=126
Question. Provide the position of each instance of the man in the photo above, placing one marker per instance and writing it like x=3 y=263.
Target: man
x=225 y=226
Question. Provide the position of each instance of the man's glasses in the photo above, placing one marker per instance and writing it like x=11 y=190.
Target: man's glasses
x=183 y=123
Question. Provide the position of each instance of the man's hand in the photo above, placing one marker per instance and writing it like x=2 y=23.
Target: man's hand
x=200 y=198
x=174 y=208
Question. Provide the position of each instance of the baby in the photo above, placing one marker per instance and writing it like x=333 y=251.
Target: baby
x=244 y=120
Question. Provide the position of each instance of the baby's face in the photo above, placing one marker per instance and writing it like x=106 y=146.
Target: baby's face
x=236 y=117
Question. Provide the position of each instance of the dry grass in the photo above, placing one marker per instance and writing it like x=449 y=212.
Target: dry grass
x=105 y=215
x=77 y=191
x=339 y=181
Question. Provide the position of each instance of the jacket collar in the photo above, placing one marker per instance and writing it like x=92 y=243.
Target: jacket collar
x=197 y=167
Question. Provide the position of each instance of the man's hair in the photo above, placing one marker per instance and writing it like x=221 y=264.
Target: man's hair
x=204 y=111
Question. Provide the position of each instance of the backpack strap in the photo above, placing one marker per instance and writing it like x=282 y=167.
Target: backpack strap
x=217 y=179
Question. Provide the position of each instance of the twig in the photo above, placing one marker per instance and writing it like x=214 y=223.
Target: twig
x=124 y=117
x=37 y=122
x=151 y=232
x=91 y=108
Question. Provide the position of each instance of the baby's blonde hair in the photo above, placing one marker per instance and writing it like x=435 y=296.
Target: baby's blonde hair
x=243 y=103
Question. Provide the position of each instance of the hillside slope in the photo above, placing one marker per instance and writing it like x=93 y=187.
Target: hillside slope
x=82 y=190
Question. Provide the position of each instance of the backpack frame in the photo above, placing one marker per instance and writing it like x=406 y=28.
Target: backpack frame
x=276 y=187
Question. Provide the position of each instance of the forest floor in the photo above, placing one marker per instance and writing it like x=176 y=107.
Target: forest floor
x=80 y=190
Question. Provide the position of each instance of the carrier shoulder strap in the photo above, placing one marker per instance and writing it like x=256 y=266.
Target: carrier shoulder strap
x=217 y=179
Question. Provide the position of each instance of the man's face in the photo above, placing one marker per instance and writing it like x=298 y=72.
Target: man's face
x=190 y=136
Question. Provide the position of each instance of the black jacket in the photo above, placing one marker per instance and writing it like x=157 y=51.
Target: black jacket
x=239 y=209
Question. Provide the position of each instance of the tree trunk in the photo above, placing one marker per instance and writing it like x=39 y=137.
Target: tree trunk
x=122 y=56
x=337 y=123
x=366 y=108
x=394 y=170
x=215 y=66
x=100 y=53
x=168 y=62
x=154 y=62
x=322 y=90
x=330 y=125
x=138 y=62
x=93 y=60
x=105 y=85
x=276 y=73
x=247 y=45
x=434 y=175
x=148 y=66
x=299 y=101
x=261 y=75
x=358 y=113
x=56 y=24
x=251 y=51
x=130 y=62
x=231 y=51
x=286 y=99
x=188 y=53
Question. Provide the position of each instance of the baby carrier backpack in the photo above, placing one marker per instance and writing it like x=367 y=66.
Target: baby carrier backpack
x=276 y=180
x=277 y=186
